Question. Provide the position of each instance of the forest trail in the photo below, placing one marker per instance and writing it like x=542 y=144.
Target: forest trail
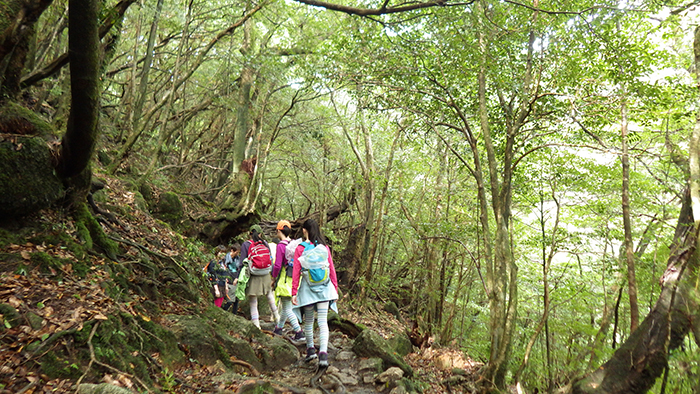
x=47 y=320
x=64 y=310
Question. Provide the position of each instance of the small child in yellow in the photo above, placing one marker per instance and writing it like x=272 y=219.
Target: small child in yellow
x=282 y=281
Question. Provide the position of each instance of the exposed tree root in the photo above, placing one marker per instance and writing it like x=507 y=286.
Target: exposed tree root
x=94 y=360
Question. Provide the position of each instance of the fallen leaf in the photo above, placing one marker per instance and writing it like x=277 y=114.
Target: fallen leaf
x=25 y=255
x=14 y=302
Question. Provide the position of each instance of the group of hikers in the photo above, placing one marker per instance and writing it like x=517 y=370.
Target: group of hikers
x=298 y=272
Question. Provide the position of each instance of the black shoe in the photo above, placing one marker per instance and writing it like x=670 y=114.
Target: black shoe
x=299 y=338
x=323 y=360
x=310 y=354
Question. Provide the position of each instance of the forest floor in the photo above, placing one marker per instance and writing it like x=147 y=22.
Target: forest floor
x=53 y=301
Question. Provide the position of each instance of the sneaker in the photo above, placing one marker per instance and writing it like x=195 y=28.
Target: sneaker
x=310 y=354
x=277 y=331
x=299 y=338
x=323 y=359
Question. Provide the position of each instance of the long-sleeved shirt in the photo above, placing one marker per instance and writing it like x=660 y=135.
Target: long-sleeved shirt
x=280 y=258
x=297 y=269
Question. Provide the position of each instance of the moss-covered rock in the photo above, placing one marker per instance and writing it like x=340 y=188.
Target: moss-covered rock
x=207 y=345
x=180 y=291
x=370 y=344
x=146 y=192
x=28 y=181
x=10 y=315
x=169 y=208
x=35 y=321
x=211 y=338
x=401 y=343
x=16 y=119
x=56 y=366
x=140 y=202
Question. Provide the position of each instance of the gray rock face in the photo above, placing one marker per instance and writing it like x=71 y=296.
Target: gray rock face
x=391 y=375
x=103 y=388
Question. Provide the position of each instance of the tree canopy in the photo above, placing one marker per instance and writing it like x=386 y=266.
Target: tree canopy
x=516 y=176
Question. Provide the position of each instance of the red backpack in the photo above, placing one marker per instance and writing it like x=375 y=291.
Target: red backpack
x=259 y=257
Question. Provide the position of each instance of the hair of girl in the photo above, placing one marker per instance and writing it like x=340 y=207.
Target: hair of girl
x=256 y=237
x=314 y=232
x=286 y=231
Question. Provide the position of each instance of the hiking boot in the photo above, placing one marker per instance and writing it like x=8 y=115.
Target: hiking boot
x=299 y=338
x=310 y=354
x=277 y=331
x=323 y=360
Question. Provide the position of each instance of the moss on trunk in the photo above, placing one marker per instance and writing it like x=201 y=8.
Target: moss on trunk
x=94 y=234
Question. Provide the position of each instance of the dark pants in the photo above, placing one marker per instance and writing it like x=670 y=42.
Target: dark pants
x=231 y=306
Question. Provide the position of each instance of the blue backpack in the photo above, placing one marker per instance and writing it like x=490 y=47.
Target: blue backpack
x=315 y=266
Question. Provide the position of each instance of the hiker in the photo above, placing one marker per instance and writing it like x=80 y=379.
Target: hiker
x=257 y=252
x=233 y=257
x=219 y=277
x=314 y=288
x=282 y=281
x=233 y=263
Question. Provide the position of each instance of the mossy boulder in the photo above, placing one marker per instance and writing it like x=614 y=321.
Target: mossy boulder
x=28 y=182
x=401 y=343
x=207 y=345
x=393 y=309
x=220 y=335
x=16 y=119
x=370 y=344
x=10 y=315
x=169 y=208
x=274 y=353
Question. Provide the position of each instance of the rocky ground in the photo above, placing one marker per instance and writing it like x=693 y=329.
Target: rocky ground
x=43 y=321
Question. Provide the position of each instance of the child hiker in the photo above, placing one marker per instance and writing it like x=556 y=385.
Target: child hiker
x=257 y=252
x=233 y=263
x=314 y=288
x=282 y=281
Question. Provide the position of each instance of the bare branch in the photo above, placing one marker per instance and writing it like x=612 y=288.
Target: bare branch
x=383 y=10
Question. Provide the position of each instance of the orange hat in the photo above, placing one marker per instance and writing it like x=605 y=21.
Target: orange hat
x=282 y=223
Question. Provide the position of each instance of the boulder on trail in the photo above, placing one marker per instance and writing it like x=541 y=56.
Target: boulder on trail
x=370 y=344
x=212 y=337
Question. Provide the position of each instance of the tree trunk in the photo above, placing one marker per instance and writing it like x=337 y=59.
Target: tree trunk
x=637 y=364
x=641 y=360
x=148 y=59
x=84 y=48
x=629 y=248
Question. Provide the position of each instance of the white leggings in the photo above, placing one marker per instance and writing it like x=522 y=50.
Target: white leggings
x=322 y=311
x=254 y=314
x=287 y=314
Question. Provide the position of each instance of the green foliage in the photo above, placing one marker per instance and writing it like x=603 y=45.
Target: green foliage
x=329 y=93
